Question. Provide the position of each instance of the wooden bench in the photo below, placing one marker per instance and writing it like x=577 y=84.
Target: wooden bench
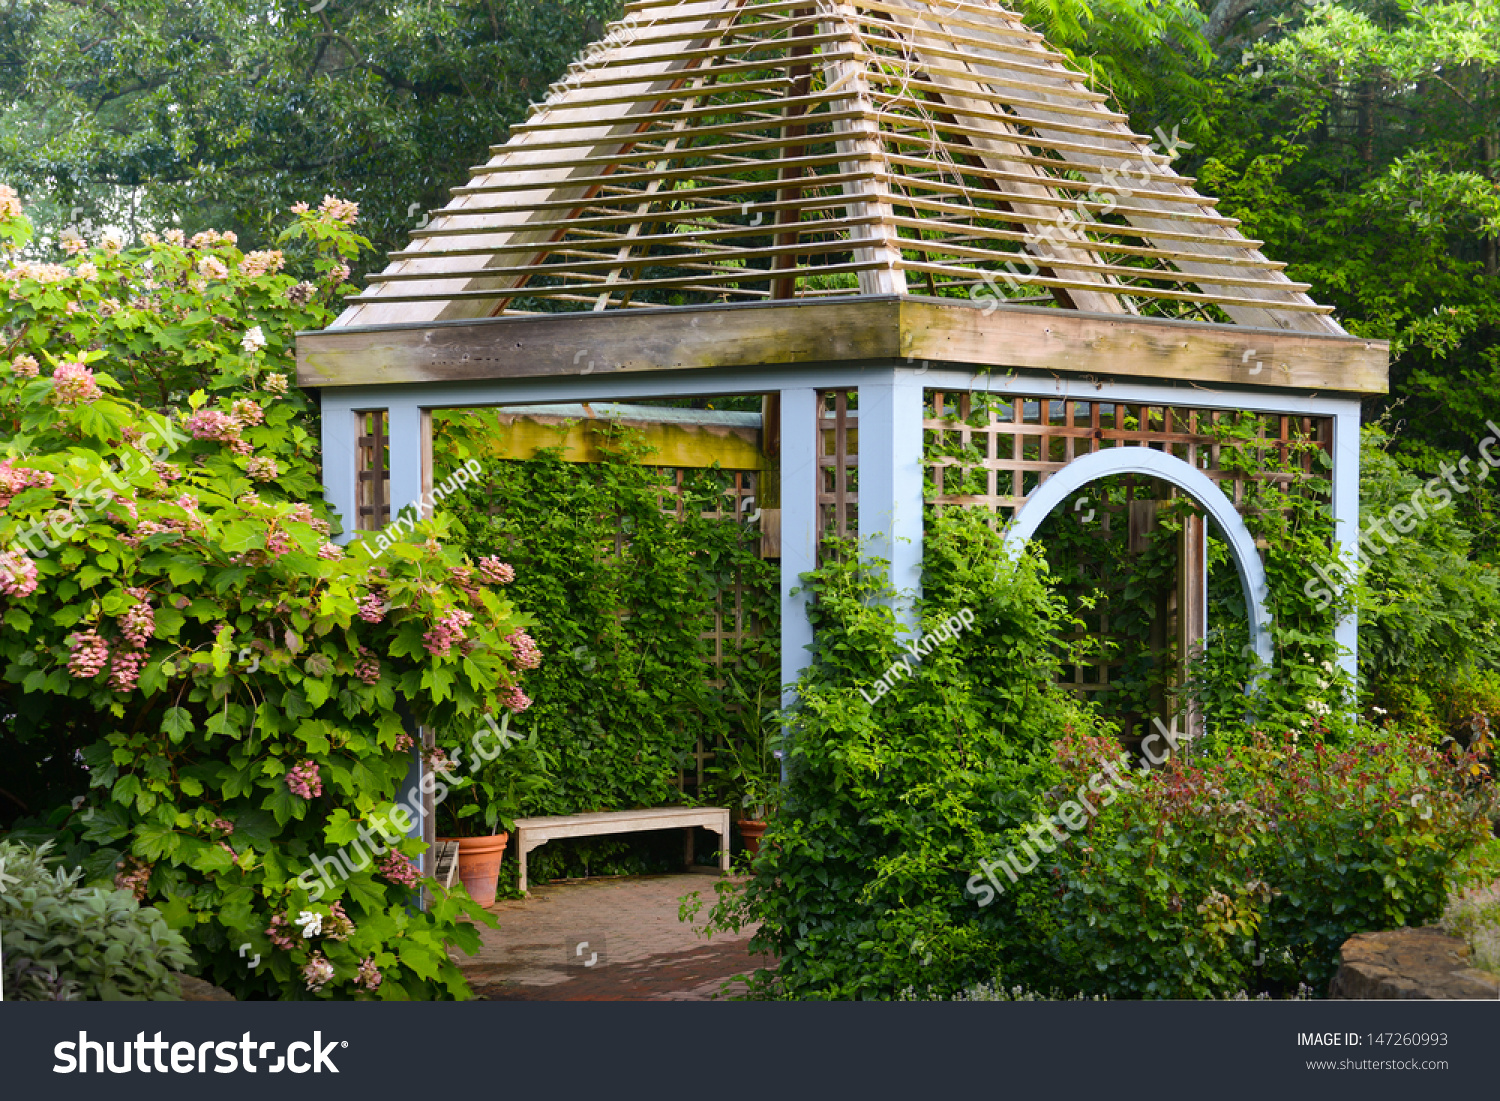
x=531 y=832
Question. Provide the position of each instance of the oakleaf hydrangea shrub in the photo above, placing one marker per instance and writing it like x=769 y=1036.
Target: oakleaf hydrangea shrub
x=67 y=942
x=209 y=689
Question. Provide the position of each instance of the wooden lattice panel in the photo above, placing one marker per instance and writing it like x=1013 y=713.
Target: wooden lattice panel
x=372 y=472
x=838 y=464
x=994 y=451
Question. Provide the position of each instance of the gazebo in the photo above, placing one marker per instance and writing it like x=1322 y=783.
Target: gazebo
x=869 y=211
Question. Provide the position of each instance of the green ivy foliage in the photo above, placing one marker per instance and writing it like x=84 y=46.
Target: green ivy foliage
x=859 y=883
x=210 y=693
x=622 y=585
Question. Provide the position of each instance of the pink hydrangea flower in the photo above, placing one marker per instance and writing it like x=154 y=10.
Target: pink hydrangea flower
x=278 y=542
x=369 y=975
x=318 y=972
x=332 y=552
x=260 y=263
x=304 y=780
x=73 y=384
x=282 y=933
x=495 y=571
x=17 y=575
x=527 y=655
x=247 y=411
x=125 y=670
x=515 y=699
x=210 y=424
x=448 y=632
x=89 y=654
x=404 y=742
x=262 y=469
x=372 y=608
x=25 y=366
x=138 y=624
x=367 y=668
x=133 y=875
x=340 y=210
x=399 y=870
x=14 y=480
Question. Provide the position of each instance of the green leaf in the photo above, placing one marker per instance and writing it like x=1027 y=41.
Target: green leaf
x=177 y=723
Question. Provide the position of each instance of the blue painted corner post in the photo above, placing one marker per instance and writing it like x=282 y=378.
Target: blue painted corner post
x=890 y=482
x=407 y=429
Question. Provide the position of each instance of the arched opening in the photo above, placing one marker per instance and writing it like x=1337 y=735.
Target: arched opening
x=1110 y=537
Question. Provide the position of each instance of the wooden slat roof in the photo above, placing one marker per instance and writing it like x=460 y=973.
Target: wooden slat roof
x=726 y=151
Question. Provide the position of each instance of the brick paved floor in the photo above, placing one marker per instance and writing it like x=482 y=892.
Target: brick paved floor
x=639 y=948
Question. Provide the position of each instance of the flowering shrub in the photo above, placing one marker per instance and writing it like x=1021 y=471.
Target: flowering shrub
x=187 y=654
x=1242 y=870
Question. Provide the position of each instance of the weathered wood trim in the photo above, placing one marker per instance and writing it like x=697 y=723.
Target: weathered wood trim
x=1135 y=347
x=852 y=331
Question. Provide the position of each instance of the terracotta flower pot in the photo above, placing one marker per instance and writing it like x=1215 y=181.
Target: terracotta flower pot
x=479 y=864
x=750 y=833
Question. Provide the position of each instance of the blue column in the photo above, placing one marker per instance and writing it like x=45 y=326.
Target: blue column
x=340 y=459
x=405 y=424
x=890 y=480
x=799 y=529
x=1346 y=522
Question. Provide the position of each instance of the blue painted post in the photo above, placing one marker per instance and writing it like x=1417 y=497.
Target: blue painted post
x=799 y=531
x=340 y=459
x=890 y=481
x=406 y=425
x=1346 y=523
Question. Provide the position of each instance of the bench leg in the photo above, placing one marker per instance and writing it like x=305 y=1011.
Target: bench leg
x=521 y=852
x=688 y=847
x=724 y=844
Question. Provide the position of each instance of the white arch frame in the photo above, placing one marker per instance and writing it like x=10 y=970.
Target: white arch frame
x=1158 y=464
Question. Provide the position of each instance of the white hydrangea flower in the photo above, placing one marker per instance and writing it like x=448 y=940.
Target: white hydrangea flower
x=254 y=340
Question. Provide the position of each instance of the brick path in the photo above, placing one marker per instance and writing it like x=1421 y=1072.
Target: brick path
x=644 y=953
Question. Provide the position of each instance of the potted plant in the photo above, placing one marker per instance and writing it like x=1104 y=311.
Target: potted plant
x=483 y=797
x=747 y=758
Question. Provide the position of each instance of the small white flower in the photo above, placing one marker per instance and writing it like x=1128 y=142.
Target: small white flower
x=254 y=340
x=312 y=924
x=112 y=241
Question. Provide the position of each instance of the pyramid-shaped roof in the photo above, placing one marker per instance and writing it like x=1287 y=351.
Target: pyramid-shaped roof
x=727 y=151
